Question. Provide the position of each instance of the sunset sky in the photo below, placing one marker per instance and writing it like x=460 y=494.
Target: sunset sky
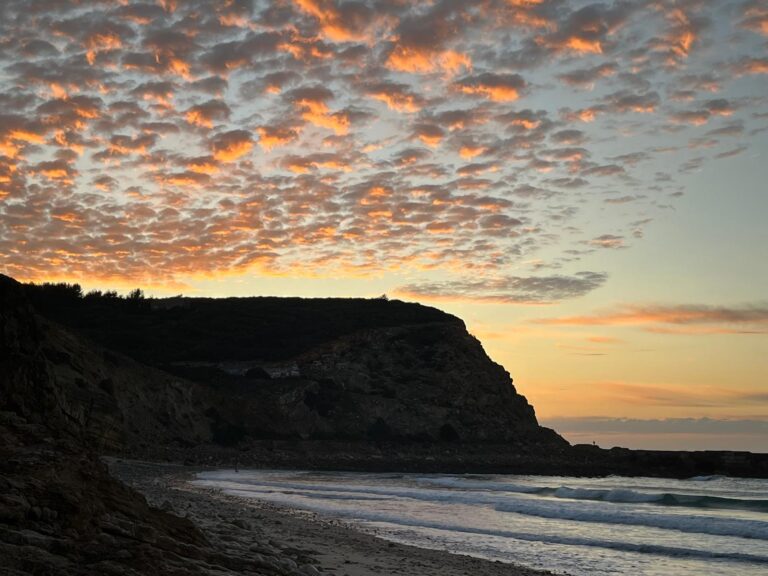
x=583 y=183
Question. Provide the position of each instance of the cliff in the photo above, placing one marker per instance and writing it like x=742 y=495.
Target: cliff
x=60 y=511
x=240 y=371
x=63 y=402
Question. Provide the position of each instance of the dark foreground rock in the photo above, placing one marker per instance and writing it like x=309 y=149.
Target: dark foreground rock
x=61 y=512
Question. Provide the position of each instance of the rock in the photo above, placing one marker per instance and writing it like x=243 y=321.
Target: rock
x=242 y=523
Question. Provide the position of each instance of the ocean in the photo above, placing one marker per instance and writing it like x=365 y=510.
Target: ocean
x=577 y=526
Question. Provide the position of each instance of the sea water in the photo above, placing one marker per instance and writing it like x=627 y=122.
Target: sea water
x=578 y=526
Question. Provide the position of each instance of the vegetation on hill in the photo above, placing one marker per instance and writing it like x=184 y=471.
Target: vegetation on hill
x=159 y=331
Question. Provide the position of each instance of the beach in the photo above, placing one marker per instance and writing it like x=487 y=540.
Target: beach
x=287 y=541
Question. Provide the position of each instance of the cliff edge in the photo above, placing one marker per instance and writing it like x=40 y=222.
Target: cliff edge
x=238 y=372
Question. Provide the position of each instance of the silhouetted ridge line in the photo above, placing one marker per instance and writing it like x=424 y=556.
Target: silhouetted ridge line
x=215 y=329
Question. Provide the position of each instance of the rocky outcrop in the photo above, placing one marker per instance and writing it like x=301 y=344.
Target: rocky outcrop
x=252 y=369
x=61 y=512
x=428 y=383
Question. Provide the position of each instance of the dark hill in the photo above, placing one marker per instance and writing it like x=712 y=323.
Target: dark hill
x=346 y=370
x=159 y=331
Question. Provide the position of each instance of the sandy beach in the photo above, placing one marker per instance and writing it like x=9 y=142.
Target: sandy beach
x=290 y=541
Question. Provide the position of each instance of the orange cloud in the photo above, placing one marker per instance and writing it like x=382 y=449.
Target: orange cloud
x=306 y=49
x=189 y=178
x=203 y=165
x=469 y=152
x=586 y=30
x=397 y=102
x=608 y=241
x=58 y=170
x=168 y=5
x=317 y=113
x=430 y=134
x=680 y=316
x=584 y=46
x=587 y=115
x=523 y=14
x=397 y=97
x=496 y=87
x=345 y=24
x=99 y=41
x=270 y=137
x=205 y=114
x=303 y=164
x=232 y=145
x=756 y=17
x=683 y=34
x=694 y=117
x=604 y=340
x=751 y=66
x=23 y=135
x=421 y=60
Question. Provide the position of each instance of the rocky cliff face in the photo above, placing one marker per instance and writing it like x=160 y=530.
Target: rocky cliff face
x=425 y=380
x=422 y=383
x=429 y=381
x=240 y=370
x=60 y=511
x=104 y=398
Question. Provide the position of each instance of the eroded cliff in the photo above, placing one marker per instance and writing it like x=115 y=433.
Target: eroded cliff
x=255 y=369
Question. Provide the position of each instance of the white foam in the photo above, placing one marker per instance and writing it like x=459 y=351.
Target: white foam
x=400 y=520
x=582 y=510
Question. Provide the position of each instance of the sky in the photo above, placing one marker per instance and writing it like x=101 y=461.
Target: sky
x=583 y=183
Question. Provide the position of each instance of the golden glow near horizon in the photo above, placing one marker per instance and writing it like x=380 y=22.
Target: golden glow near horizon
x=582 y=183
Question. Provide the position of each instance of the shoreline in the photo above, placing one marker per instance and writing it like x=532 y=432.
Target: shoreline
x=456 y=458
x=293 y=540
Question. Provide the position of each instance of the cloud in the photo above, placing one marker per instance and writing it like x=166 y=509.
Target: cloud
x=340 y=22
x=587 y=30
x=608 y=241
x=509 y=289
x=273 y=136
x=399 y=97
x=496 y=87
x=413 y=51
x=747 y=65
x=755 y=17
x=205 y=114
x=586 y=77
x=681 y=319
x=429 y=134
x=230 y=146
x=177 y=140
